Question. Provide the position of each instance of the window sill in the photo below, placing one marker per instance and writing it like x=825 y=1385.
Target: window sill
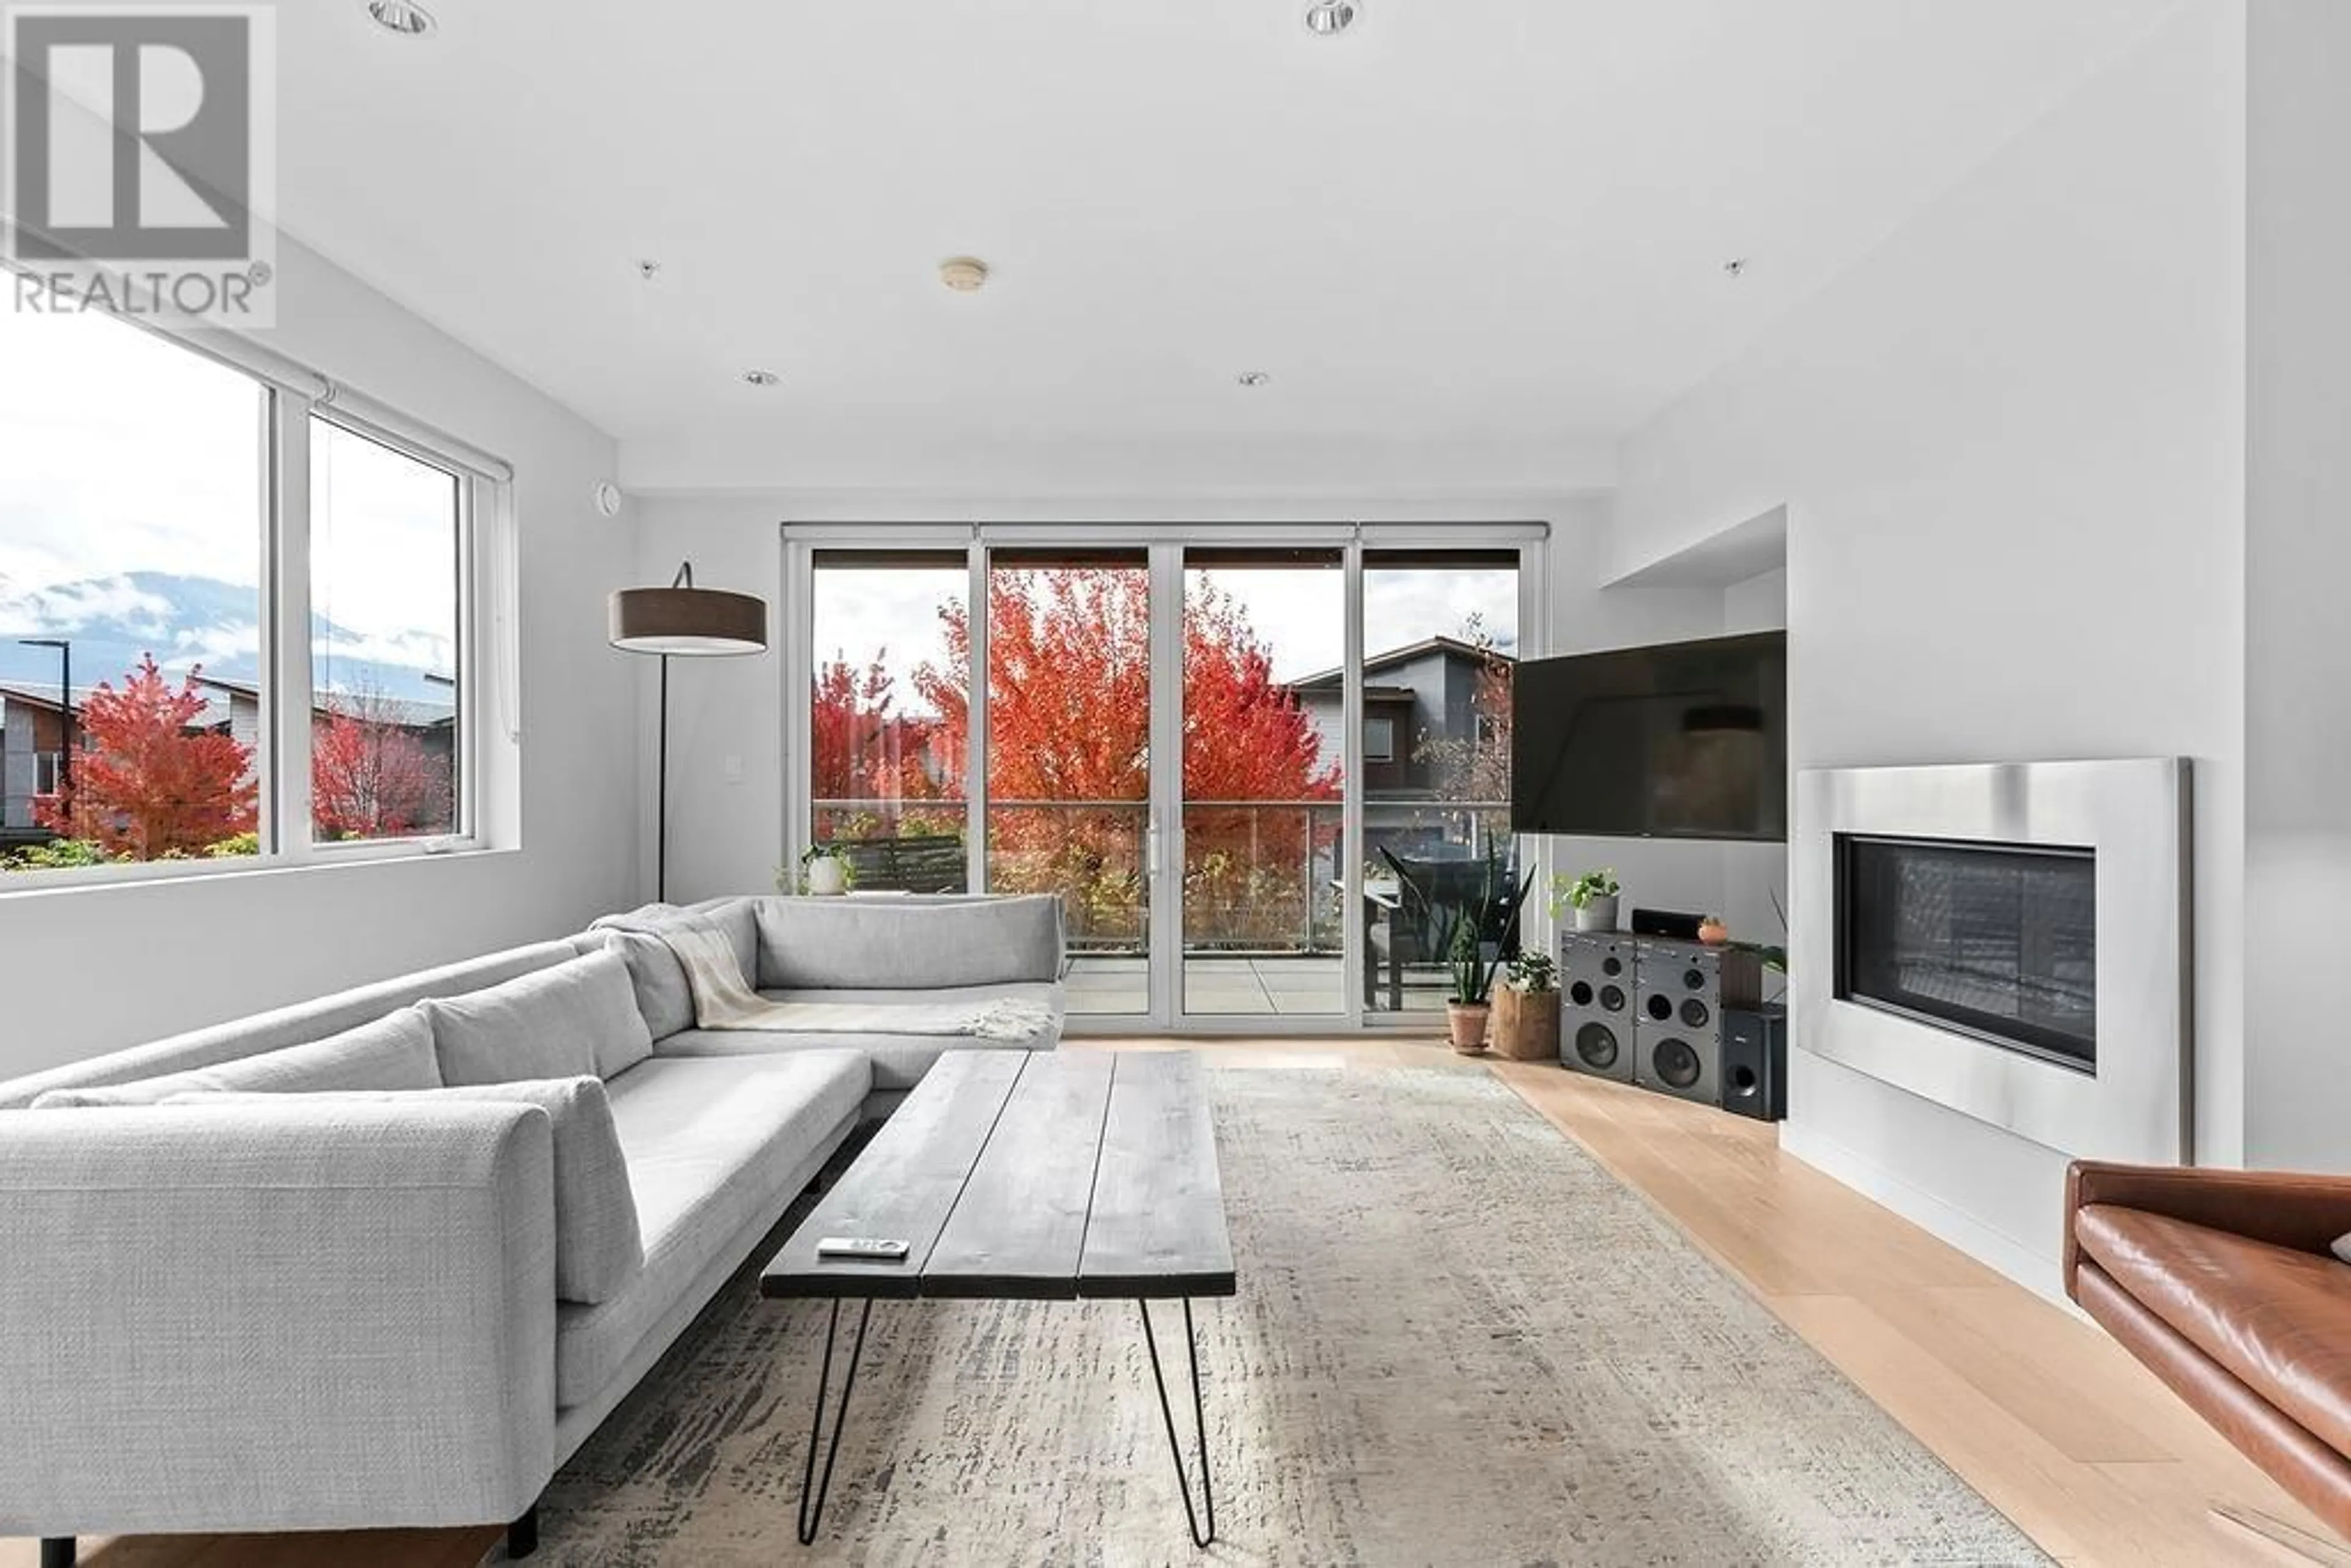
x=318 y=857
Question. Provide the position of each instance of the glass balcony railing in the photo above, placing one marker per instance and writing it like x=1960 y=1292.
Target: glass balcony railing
x=1261 y=878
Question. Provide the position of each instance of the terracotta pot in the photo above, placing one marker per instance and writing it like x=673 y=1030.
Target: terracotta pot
x=1465 y=1021
x=1713 y=933
x=1525 y=1024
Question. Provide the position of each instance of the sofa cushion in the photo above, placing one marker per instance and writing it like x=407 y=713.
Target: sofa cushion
x=598 y=1243
x=2277 y=1319
x=809 y=943
x=714 y=1148
x=297 y=1025
x=394 y=1052
x=659 y=979
x=899 y=1060
x=577 y=1020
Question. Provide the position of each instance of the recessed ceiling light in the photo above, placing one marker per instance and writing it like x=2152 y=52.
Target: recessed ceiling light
x=1328 y=18
x=761 y=378
x=405 y=17
x=649 y=269
x=1735 y=267
x=964 y=274
x=1253 y=378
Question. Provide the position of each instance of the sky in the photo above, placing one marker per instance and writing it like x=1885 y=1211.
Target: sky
x=122 y=453
x=1300 y=614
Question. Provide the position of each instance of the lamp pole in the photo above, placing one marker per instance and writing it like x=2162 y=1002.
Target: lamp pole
x=64 y=645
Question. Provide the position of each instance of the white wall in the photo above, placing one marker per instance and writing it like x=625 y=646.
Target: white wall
x=90 y=969
x=2297 y=563
x=2010 y=444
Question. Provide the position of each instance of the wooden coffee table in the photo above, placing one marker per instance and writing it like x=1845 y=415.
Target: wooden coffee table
x=1030 y=1176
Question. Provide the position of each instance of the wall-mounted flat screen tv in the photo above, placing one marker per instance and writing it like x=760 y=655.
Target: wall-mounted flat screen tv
x=1684 y=740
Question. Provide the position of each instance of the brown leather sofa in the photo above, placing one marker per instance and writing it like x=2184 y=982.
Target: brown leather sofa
x=2220 y=1280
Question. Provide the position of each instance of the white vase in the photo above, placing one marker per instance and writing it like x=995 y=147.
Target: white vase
x=1597 y=912
x=827 y=877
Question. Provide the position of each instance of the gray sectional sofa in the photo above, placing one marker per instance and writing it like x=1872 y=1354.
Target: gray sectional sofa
x=388 y=1258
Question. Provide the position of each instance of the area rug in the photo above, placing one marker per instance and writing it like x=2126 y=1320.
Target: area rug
x=1458 y=1340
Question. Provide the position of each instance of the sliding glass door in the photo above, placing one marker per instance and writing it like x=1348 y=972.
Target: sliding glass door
x=1069 y=755
x=1227 y=759
x=1440 y=644
x=1265 y=767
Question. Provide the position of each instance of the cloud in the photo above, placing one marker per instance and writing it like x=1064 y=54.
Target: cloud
x=75 y=606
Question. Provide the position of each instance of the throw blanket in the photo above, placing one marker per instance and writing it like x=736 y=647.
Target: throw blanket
x=723 y=1000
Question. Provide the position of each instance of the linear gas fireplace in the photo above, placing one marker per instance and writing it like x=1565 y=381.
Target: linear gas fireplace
x=1997 y=941
x=2010 y=940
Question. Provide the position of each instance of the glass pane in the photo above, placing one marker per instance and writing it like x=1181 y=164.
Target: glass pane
x=889 y=717
x=386 y=537
x=1440 y=643
x=1069 y=755
x=131 y=608
x=1264 y=757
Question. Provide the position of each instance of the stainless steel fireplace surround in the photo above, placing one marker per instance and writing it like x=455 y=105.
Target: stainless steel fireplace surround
x=2131 y=1100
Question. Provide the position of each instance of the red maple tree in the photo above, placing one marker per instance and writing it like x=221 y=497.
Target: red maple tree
x=145 y=783
x=870 y=758
x=1069 y=725
x=371 y=776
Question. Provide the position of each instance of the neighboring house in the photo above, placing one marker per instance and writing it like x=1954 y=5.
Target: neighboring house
x=434 y=725
x=34 y=732
x=1422 y=692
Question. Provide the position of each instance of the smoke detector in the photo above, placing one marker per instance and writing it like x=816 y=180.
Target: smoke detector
x=964 y=274
x=1328 y=18
x=760 y=378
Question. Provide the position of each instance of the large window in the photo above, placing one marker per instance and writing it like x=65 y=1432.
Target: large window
x=145 y=490
x=132 y=654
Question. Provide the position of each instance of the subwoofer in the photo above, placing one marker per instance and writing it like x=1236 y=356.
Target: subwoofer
x=1596 y=989
x=1683 y=989
x=1755 y=1062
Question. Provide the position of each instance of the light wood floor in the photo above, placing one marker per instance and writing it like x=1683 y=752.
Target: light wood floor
x=2037 y=1409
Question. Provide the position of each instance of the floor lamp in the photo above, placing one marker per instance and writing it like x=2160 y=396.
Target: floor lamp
x=683 y=622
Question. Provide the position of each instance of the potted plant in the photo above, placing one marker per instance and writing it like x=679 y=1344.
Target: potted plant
x=825 y=873
x=1526 y=1009
x=1468 y=1010
x=1592 y=896
x=1468 y=928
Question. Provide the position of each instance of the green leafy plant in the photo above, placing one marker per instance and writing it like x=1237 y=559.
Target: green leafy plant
x=1531 y=971
x=1581 y=891
x=62 y=854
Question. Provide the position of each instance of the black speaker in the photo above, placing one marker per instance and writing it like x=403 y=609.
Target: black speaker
x=1681 y=991
x=1595 y=1003
x=1669 y=922
x=1755 y=1062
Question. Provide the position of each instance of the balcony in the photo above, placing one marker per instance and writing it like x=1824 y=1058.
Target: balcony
x=1263 y=917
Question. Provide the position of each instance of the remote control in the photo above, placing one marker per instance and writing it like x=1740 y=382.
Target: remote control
x=865 y=1249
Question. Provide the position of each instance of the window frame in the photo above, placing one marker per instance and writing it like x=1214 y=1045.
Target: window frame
x=464 y=810
x=292 y=396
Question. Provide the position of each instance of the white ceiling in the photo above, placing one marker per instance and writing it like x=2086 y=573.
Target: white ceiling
x=1471 y=241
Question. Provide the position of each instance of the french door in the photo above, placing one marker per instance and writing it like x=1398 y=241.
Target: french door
x=1222 y=749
